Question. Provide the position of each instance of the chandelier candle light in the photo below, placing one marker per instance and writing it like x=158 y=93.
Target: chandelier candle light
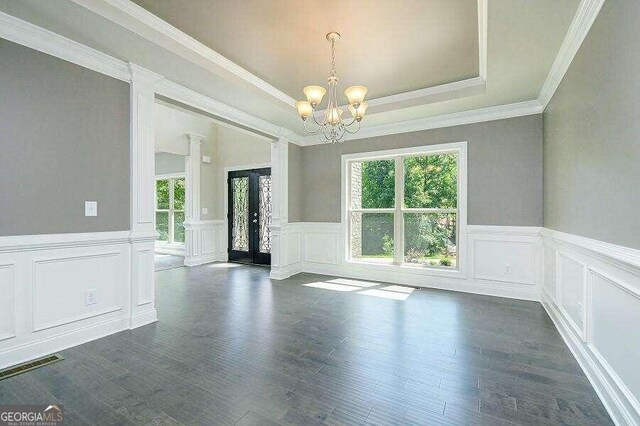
x=332 y=127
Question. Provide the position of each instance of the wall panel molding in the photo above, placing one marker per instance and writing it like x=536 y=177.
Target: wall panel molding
x=606 y=343
x=47 y=311
x=207 y=241
x=8 y=285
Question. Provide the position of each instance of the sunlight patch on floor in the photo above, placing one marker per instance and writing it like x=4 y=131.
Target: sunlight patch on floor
x=354 y=283
x=393 y=292
x=394 y=295
x=331 y=286
x=223 y=265
x=399 y=289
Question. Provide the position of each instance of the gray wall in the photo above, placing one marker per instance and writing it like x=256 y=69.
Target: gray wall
x=592 y=134
x=295 y=183
x=504 y=179
x=167 y=163
x=64 y=139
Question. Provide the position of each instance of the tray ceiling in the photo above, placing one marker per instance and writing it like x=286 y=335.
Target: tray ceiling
x=394 y=47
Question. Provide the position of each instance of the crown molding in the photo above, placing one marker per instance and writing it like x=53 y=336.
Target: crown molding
x=40 y=39
x=582 y=21
x=148 y=26
x=500 y=112
x=483 y=14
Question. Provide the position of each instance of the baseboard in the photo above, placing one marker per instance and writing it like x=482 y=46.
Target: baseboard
x=40 y=348
x=144 y=318
x=204 y=258
x=285 y=272
x=618 y=409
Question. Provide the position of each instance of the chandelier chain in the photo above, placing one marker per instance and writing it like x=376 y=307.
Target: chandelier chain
x=333 y=58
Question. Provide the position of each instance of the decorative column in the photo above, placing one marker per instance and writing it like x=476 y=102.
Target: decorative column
x=279 y=206
x=193 y=234
x=143 y=231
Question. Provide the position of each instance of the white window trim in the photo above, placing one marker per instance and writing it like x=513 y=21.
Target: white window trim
x=460 y=148
x=171 y=177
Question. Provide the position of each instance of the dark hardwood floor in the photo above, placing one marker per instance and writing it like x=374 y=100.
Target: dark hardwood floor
x=231 y=347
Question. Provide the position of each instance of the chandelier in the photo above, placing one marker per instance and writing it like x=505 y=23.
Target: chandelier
x=332 y=128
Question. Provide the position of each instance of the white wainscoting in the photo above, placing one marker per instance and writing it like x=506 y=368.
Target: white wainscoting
x=318 y=248
x=592 y=293
x=44 y=280
x=286 y=253
x=206 y=242
x=590 y=289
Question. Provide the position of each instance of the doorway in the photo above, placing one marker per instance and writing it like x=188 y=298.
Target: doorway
x=249 y=216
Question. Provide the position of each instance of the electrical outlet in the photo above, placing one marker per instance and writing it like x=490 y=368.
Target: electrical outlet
x=91 y=208
x=90 y=297
x=508 y=269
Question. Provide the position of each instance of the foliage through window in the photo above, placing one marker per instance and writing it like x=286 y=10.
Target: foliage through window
x=404 y=209
x=170 y=200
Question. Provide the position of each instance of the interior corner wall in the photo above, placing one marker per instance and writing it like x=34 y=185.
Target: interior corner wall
x=64 y=138
x=295 y=183
x=592 y=134
x=504 y=170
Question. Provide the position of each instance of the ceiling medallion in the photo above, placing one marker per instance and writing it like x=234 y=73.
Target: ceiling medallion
x=332 y=127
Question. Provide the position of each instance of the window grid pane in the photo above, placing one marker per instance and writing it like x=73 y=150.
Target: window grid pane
x=372 y=236
x=162 y=194
x=372 y=184
x=431 y=181
x=430 y=239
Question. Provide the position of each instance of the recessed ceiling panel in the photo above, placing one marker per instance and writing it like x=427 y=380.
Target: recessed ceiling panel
x=389 y=46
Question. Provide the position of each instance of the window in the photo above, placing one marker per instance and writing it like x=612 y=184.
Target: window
x=170 y=195
x=404 y=207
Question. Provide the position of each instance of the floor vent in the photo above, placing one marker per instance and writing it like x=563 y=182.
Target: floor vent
x=29 y=365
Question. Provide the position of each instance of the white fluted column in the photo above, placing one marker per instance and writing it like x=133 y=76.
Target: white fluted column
x=280 y=206
x=143 y=230
x=193 y=234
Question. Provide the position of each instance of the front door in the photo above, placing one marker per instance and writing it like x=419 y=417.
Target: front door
x=249 y=216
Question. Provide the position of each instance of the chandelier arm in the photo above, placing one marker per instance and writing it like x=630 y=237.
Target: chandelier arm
x=353 y=120
x=354 y=131
x=313 y=114
x=313 y=132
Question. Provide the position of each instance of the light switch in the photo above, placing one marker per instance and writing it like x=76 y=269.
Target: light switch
x=206 y=159
x=205 y=210
x=91 y=208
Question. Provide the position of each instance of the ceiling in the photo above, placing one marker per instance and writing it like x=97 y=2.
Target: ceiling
x=257 y=55
x=418 y=43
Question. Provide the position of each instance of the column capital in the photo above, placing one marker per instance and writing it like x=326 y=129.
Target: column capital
x=194 y=137
x=140 y=75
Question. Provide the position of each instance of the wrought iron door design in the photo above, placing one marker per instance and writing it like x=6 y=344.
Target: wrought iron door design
x=249 y=216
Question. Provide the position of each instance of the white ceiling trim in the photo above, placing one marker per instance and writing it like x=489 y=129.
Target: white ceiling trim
x=583 y=20
x=145 y=24
x=499 y=112
x=37 y=38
